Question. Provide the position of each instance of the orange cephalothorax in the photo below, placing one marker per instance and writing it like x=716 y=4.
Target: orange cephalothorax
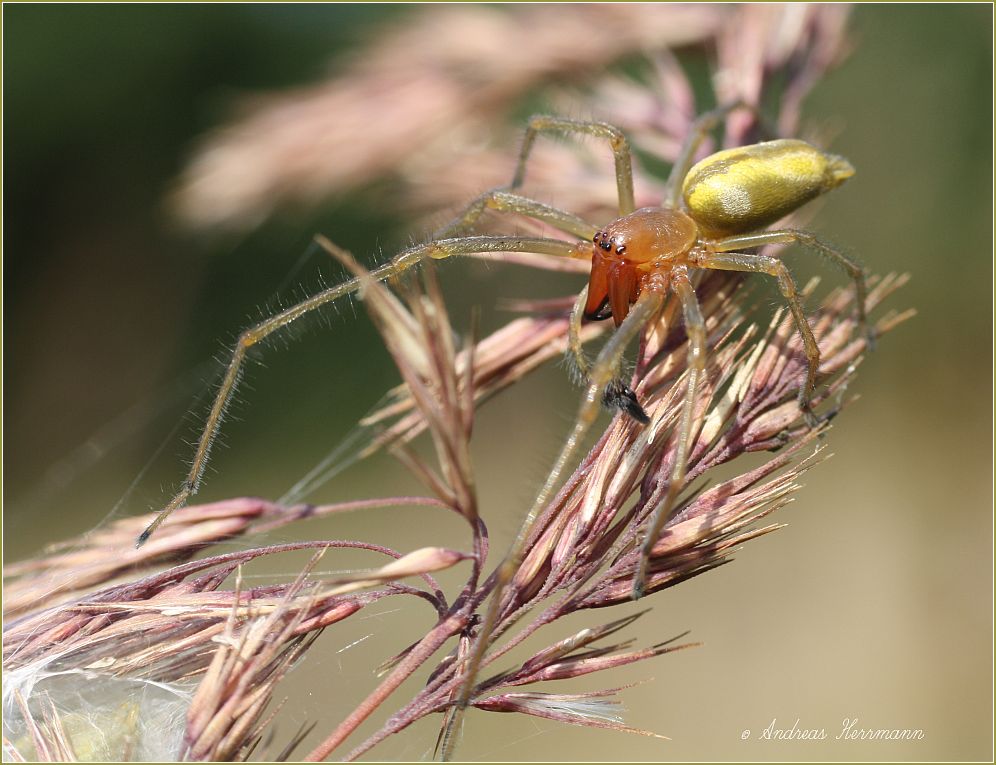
x=629 y=250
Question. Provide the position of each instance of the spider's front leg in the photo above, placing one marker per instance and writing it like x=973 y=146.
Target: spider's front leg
x=438 y=250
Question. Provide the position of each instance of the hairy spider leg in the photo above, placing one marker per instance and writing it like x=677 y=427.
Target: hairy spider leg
x=581 y=365
x=501 y=200
x=737 y=261
x=404 y=260
x=788 y=236
x=695 y=328
x=603 y=371
x=542 y=123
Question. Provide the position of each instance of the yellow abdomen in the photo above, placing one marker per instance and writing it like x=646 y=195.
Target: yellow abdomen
x=750 y=187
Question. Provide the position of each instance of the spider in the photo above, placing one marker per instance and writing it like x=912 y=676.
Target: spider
x=711 y=213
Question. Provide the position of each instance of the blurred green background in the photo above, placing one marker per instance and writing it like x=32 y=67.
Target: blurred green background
x=875 y=603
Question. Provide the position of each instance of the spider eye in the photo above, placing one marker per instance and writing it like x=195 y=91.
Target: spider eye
x=606 y=245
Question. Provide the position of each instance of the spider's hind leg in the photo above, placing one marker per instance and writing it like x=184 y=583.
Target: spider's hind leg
x=848 y=264
x=703 y=125
x=736 y=261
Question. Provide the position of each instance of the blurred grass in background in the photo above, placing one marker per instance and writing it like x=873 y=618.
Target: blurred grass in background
x=875 y=603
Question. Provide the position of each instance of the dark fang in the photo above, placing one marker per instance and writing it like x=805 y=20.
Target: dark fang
x=601 y=313
x=618 y=395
